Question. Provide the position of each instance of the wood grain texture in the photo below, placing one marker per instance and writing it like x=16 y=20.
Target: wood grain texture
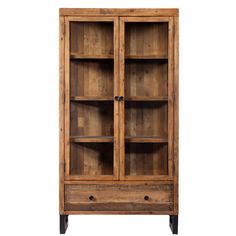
x=92 y=139
x=117 y=150
x=90 y=56
x=91 y=118
x=146 y=38
x=61 y=114
x=145 y=139
x=146 y=56
x=91 y=78
x=145 y=98
x=118 y=12
x=122 y=93
x=91 y=98
x=91 y=159
x=130 y=212
x=67 y=97
x=176 y=115
x=121 y=182
x=91 y=38
x=146 y=79
x=116 y=171
x=170 y=96
x=146 y=119
x=131 y=197
x=146 y=159
x=119 y=206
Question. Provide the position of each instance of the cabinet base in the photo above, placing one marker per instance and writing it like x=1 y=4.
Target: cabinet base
x=63 y=223
x=174 y=224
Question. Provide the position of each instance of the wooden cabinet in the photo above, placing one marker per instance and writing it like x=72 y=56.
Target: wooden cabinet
x=119 y=112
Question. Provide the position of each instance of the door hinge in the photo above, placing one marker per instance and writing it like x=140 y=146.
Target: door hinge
x=64 y=167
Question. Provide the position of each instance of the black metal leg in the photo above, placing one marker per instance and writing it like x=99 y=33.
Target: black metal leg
x=63 y=223
x=174 y=224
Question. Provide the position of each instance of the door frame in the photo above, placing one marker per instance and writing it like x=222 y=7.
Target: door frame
x=67 y=175
x=170 y=96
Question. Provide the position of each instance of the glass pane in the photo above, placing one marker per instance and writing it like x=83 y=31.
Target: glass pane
x=91 y=159
x=91 y=95
x=146 y=159
x=146 y=38
x=146 y=99
x=91 y=38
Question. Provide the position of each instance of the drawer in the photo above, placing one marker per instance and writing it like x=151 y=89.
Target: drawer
x=117 y=197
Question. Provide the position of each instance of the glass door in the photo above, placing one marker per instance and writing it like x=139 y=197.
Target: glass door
x=146 y=83
x=91 y=113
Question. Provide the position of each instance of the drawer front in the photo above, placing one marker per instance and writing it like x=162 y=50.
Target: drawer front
x=125 y=197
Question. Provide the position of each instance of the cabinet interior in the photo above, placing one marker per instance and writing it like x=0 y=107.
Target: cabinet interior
x=146 y=39
x=92 y=102
x=146 y=159
x=91 y=38
x=91 y=159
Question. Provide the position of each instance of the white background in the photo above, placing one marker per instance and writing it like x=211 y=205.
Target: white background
x=29 y=121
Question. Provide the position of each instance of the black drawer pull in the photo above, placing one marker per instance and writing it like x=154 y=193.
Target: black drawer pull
x=91 y=198
x=146 y=198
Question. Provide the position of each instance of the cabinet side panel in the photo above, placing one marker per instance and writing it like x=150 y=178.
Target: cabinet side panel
x=176 y=114
x=61 y=113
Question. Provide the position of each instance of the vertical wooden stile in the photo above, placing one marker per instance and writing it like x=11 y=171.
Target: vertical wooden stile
x=67 y=95
x=116 y=103
x=176 y=115
x=170 y=96
x=61 y=112
x=121 y=92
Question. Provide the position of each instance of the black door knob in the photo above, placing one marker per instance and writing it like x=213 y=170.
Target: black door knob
x=119 y=98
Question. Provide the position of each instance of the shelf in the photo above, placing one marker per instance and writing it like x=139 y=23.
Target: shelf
x=139 y=98
x=92 y=139
x=85 y=56
x=109 y=139
x=145 y=139
x=91 y=98
x=146 y=57
x=98 y=98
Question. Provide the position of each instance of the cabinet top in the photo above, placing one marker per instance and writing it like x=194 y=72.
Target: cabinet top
x=119 y=11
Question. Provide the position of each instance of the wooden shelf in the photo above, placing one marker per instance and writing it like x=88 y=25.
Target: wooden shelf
x=141 y=98
x=91 y=98
x=99 y=98
x=86 y=56
x=92 y=139
x=145 y=139
x=146 y=57
x=109 y=139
